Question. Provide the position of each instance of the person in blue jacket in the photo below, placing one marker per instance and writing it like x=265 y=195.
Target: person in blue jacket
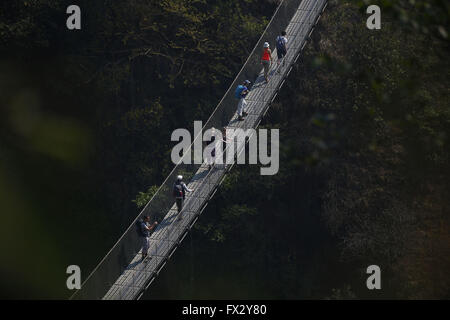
x=241 y=92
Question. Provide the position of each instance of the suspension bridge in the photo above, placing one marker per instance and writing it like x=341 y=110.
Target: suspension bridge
x=121 y=275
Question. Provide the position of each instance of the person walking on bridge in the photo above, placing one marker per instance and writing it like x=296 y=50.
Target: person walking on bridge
x=225 y=141
x=241 y=92
x=211 y=157
x=266 y=60
x=281 y=49
x=179 y=192
x=145 y=228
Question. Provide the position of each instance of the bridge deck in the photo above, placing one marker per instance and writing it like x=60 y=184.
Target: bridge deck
x=171 y=231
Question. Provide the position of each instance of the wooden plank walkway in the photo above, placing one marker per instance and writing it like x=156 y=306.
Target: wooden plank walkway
x=171 y=231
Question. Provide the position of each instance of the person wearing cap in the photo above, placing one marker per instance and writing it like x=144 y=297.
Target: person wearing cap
x=179 y=192
x=266 y=60
x=146 y=227
x=241 y=92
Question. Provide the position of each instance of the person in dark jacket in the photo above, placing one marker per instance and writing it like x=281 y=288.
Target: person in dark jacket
x=281 y=49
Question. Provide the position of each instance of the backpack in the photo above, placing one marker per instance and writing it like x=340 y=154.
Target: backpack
x=237 y=93
x=177 y=190
x=138 y=225
x=280 y=44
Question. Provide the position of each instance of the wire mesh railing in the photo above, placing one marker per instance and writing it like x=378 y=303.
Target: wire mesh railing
x=120 y=275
